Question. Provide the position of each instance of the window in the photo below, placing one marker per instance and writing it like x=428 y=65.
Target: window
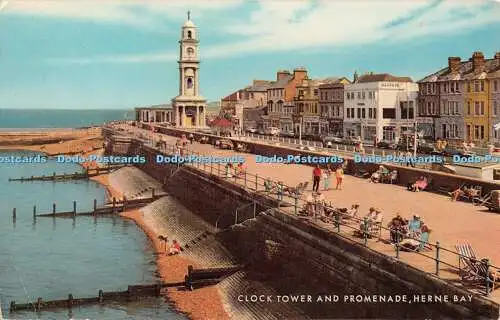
x=445 y=87
x=370 y=113
x=389 y=113
x=190 y=35
x=481 y=130
x=363 y=95
x=469 y=132
x=468 y=86
x=476 y=86
x=359 y=95
x=456 y=108
x=348 y=96
x=428 y=85
x=468 y=108
x=443 y=109
x=481 y=108
x=189 y=83
x=454 y=87
x=444 y=132
x=363 y=113
x=482 y=85
x=429 y=108
x=476 y=108
x=495 y=85
x=495 y=108
x=359 y=113
x=455 y=130
x=476 y=132
x=370 y=95
x=374 y=113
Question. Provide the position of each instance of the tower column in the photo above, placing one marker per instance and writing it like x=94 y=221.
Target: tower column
x=198 y=116
x=196 y=82
x=177 y=116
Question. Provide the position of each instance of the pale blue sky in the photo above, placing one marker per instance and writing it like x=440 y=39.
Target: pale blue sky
x=122 y=54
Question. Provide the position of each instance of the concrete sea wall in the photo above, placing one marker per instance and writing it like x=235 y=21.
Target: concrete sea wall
x=294 y=257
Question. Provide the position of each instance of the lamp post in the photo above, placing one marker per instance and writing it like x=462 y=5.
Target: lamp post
x=300 y=131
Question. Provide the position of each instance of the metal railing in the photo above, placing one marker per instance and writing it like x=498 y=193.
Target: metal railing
x=258 y=184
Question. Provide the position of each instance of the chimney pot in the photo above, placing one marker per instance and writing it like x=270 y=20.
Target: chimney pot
x=478 y=61
x=454 y=64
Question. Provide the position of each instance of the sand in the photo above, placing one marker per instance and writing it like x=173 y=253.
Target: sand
x=201 y=304
x=204 y=303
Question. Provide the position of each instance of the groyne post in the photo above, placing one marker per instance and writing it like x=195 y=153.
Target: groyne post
x=34 y=211
x=70 y=300
x=365 y=230
x=437 y=257
x=124 y=203
x=487 y=275
x=296 y=206
x=14 y=214
x=53 y=176
x=74 y=208
x=54 y=208
x=153 y=193
x=95 y=206
x=256 y=182
x=114 y=203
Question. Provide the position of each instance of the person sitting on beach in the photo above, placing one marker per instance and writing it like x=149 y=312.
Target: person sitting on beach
x=420 y=184
x=377 y=175
x=309 y=206
x=396 y=228
x=353 y=212
x=414 y=226
x=416 y=244
x=175 y=248
x=370 y=217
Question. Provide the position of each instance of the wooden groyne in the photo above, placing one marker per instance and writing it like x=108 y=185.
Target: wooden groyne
x=71 y=176
x=195 y=278
x=109 y=208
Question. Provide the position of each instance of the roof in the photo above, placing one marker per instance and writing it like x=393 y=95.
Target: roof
x=281 y=83
x=382 y=77
x=465 y=72
x=158 y=106
x=259 y=85
x=188 y=24
x=232 y=97
x=332 y=82
x=221 y=122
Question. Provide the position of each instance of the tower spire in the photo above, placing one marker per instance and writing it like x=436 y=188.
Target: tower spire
x=189 y=14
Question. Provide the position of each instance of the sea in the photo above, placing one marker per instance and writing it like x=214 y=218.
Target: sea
x=53 y=257
x=52 y=118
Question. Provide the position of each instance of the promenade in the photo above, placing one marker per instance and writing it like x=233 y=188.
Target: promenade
x=450 y=222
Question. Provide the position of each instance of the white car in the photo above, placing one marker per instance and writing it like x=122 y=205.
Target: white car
x=252 y=130
x=273 y=131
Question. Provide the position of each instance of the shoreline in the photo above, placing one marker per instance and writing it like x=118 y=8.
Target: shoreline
x=201 y=304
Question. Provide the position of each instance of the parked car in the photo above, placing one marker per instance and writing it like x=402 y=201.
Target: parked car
x=426 y=148
x=349 y=141
x=331 y=139
x=273 y=131
x=261 y=131
x=450 y=151
x=287 y=134
x=386 y=145
x=252 y=130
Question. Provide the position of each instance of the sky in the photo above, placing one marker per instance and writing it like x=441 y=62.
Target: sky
x=70 y=54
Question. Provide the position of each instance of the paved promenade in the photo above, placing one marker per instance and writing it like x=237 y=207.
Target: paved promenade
x=450 y=222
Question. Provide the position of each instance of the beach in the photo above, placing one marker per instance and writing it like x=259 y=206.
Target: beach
x=204 y=303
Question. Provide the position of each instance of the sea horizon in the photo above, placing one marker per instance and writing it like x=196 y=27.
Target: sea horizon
x=63 y=119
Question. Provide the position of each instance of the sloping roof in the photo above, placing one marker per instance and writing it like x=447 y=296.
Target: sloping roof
x=281 y=83
x=332 y=82
x=465 y=72
x=259 y=85
x=232 y=97
x=382 y=77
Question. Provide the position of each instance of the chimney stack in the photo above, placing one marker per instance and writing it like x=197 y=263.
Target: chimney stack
x=454 y=64
x=478 y=61
x=300 y=73
x=282 y=74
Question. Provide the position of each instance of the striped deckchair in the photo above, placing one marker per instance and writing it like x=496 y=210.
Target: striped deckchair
x=474 y=269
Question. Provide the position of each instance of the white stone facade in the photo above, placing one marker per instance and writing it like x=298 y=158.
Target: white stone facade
x=376 y=110
x=189 y=107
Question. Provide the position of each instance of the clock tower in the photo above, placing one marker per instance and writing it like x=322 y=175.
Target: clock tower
x=189 y=108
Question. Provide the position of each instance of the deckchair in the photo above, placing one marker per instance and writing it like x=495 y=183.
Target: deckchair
x=475 y=270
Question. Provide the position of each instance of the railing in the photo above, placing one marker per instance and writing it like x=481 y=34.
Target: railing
x=256 y=183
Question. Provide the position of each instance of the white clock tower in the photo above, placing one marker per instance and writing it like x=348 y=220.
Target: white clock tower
x=189 y=108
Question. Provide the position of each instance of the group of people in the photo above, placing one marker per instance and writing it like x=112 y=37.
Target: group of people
x=325 y=175
x=372 y=218
x=175 y=248
x=411 y=235
x=239 y=169
x=378 y=175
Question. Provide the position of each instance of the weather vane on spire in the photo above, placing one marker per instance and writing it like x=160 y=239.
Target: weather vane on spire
x=189 y=14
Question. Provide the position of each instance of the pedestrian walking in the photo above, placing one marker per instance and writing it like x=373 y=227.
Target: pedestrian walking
x=326 y=179
x=339 y=174
x=316 y=178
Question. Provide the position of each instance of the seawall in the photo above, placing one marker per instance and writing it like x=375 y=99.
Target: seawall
x=296 y=257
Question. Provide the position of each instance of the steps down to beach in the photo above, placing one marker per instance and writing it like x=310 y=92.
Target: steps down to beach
x=133 y=183
x=238 y=285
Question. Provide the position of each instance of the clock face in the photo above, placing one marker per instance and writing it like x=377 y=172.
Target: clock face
x=190 y=51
